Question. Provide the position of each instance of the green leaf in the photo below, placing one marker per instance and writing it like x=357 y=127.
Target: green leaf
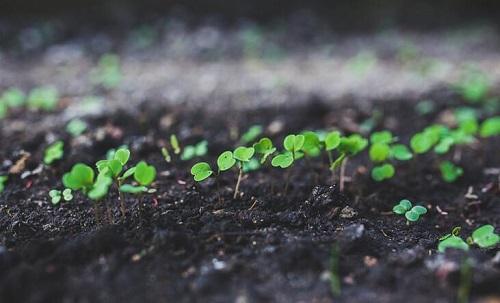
x=67 y=194
x=420 y=143
x=450 y=172
x=383 y=137
x=379 y=152
x=406 y=204
x=485 y=236
x=43 y=98
x=243 y=154
x=412 y=216
x=401 y=152
x=251 y=134
x=338 y=162
x=127 y=188
x=490 y=127
x=419 y=209
x=294 y=143
x=383 y=172
x=201 y=148
x=352 y=145
x=13 y=97
x=225 y=161
x=55 y=200
x=76 y=127
x=201 y=171
x=3 y=180
x=398 y=209
x=54 y=152
x=144 y=174
x=332 y=140
x=129 y=172
x=81 y=176
x=188 y=153
x=444 y=145
x=452 y=242
x=283 y=160
x=122 y=155
x=265 y=148
x=312 y=145
x=54 y=193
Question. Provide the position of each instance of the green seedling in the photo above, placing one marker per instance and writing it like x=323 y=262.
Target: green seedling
x=332 y=141
x=484 y=237
x=198 y=150
x=76 y=127
x=201 y=171
x=293 y=145
x=412 y=214
x=43 y=98
x=251 y=134
x=13 y=98
x=166 y=154
x=174 y=143
x=54 y=152
x=348 y=147
x=101 y=187
x=81 y=177
x=144 y=175
x=474 y=85
x=450 y=172
x=108 y=72
x=312 y=144
x=242 y=155
x=3 y=180
x=490 y=127
x=379 y=152
x=452 y=240
x=422 y=142
x=383 y=172
x=264 y=148
x=56 y=195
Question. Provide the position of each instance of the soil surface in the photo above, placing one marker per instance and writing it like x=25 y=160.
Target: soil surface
x=194 y=243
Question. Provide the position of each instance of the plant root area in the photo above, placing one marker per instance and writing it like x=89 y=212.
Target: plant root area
x=192 y=242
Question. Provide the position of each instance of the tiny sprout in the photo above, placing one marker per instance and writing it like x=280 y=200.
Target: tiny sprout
x=401 y=152
x=53 y=152
x=411 y=213
x=201 y=171
x=198 y=150
x=265 y=148
x=450 y=172
x=56 y=195
x=76 y=127
x=3 y=180
x=44 y=98
x=383 y=172
x=251 y=134
x=107 y=73
x=444 y=145
x=352 y=145
x=490 y=127
x=81 y=177
x=452 y=240
x=485 y=236
x=226 y=160
x=175 y=144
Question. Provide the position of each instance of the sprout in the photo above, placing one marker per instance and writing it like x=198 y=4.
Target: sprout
x=81 y=177
x=175 y=144
x=404 y=207
x=332 y=140
x=379 y=152
x=76 y=127
x=3 y=180
x=56 y=195
x=53 y=152
x=101 y=187
x=348 y=147
x=293 y=145
x=191 y=151
x=383 y=172
x=474 y=85
x=201 y=171
x=452 y=240
x=265 y=148
x=420 y=143
x=166 y=154
x=144 y=174
x=43 y=98
x=242 y=155
x=485 y=236
x=283 y=160
x=444 y=145
x=450 y=172
x=251 y=134
x=490 y=127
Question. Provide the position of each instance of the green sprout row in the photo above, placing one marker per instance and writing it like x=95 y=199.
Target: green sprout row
x=44 y=98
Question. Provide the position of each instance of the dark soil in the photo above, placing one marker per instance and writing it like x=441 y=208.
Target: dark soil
x=186 y=244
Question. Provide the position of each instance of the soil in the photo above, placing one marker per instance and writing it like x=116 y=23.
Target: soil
x=193 y=243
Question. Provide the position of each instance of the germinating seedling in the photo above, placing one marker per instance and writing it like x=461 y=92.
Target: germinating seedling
x=198 y=150
x=56 y=195
x=144 y=175
x=264 y=148
x=293 y=145
x=411 y=213
x=450 y=172
x=484 y=237
x=54 y=152
x=348 y=147
x=241 y=155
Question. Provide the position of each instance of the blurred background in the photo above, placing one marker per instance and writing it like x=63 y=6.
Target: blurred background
x=246 y=54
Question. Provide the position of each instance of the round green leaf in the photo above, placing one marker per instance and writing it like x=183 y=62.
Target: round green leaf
x=122 y=155
x=144 y=174
x=282 y=160
x=383 y=172
x=243 y=154
x=401 y=152
x=332 y=140
x=201 y=171
x=452 y=242
x=398 y=209
x=225 y=161
x=419 y=209
x=379 y=152
x=412 y=216
x=294 y=143
x=420 y=143
x=406 y=204
x=384 y=137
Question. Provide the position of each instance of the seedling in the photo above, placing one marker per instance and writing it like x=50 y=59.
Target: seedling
x=198 y=150
x=383 y=172
x=166 y=154
x=452 y=240
x=348 y=147
x=474 y=85
x=174 y=143
x=265 y=148
x=144 y=175
x=43 y=98
x=241 y=155
x=450 y=172
x=484 y=237
x=401 y=152
x=490 y=127
x=81 y=177
x=312 y=144
x=56 y=195
x=293 y=145
x=76 y=127
x=13 y=97
x=3 y=180
x=251 y=134
x=412 y=214
x=54 y=152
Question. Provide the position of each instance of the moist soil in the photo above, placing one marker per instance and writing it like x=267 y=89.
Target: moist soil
x=194 y=243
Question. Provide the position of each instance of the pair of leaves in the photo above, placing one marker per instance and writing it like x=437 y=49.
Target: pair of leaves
x=76 y=127
x=81 y=177
x=265 y=148
x=450 y=172
x=54 y=152
x=352 y=145
x=411 y=213
x=114 y=166
x=144 y=175
x=228 y=159
x=56 y=195
x=198 y=150
x=484 y=237
x=383 y=172
x=293 y=144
